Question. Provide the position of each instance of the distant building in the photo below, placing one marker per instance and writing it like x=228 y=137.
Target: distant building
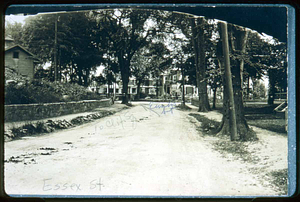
x=167 y=83
x=19 y=58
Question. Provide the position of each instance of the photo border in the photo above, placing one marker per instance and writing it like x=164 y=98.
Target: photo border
x=292 y=124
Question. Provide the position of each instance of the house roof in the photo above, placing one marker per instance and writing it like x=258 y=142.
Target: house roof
x=23 y=49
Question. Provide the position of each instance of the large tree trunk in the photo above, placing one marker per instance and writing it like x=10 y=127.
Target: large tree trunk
x=243 y=130
x=214 y=98
x=125 y=81
x=229 y=101
x=138 y=90
x=125 y=72
x=224 y=127
x=198 y=44
x=195 y=46
x=203 y=98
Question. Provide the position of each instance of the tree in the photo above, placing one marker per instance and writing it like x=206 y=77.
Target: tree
x=180 y=57
x=266 y=57
x=123 y=32
x=14 y=30
x=213 y=59
x=198 y=41
x=257 y=62
x=254 y=68
x=155 y=56
x=199 y=32
x=215 y=82
x=238 y=39
x=38 y=37
x=259 y=90
x=277 y=71
x=78 y=56
x=182 y=67
x=100 y=80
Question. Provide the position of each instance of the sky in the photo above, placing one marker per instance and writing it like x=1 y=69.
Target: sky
x=16 y=18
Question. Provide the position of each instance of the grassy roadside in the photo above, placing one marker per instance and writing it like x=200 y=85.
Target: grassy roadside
x=208 y=126
x=241 y=151
x=263 y=116
x=279 y=180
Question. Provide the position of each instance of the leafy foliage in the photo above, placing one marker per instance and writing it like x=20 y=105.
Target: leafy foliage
x=78 y=56
x=119 y=38
x=41 y=91
x=154 y=57
x=14 y=30
x=267 y=58
x=11 y=74
x=121 y=33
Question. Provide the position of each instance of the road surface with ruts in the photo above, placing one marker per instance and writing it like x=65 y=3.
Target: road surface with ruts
x=145 y=150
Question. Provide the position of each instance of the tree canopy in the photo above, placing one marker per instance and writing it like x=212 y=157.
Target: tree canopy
x=130 y=40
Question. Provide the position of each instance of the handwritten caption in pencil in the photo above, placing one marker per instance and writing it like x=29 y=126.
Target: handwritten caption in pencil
x=164 y=108
x=123 y=120
x=49 y=185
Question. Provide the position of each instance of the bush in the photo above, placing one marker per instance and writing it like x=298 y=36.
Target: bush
x=41 y=91
x=28 y=93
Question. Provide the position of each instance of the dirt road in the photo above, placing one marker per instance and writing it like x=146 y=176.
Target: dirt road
x=144 y=150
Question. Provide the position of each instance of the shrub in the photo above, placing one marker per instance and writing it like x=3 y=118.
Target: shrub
x=41 y=91
x=29 y=93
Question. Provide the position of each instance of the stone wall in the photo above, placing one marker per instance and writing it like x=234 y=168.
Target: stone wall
x=25 y=112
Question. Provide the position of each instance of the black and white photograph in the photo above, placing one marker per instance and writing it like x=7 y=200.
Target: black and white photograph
x=148 y=100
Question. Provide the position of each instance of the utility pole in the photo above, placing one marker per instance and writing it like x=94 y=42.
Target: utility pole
x=232 y=116
x=55 y=50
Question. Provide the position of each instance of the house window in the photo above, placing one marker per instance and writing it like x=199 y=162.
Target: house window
x=16 y=55
x=147 y=83
x=174 y=77
x=134 y=90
